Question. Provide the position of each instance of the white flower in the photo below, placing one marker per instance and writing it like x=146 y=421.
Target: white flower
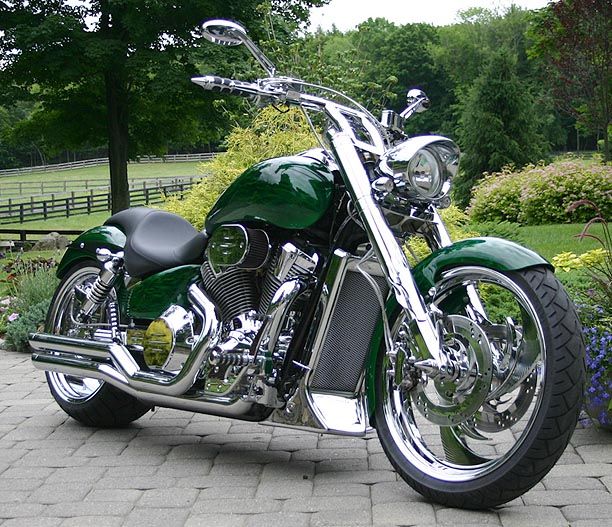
x=12 y=317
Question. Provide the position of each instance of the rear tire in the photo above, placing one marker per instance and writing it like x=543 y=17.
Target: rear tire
x=89 y=401
x=448 y=462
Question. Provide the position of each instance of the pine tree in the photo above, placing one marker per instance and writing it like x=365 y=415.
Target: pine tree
x=497 y=125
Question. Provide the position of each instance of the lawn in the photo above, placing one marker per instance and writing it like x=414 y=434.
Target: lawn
x=549 y=240
x=135 y=170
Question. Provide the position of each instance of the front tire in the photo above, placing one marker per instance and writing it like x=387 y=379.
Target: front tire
x=90 y=401
x=520 y=424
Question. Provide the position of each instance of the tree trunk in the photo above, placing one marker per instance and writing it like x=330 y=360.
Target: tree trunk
x=117 y=117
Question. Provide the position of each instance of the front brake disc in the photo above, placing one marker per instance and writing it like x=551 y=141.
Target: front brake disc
x=448 y=403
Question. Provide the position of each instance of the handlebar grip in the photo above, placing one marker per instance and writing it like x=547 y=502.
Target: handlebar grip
x=224 y=85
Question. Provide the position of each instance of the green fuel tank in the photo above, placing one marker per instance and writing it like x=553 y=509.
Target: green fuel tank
x=287 y=192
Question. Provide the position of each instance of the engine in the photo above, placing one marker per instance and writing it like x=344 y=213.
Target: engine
x=242 y=273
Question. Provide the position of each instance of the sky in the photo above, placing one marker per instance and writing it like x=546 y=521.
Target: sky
x=346 y=14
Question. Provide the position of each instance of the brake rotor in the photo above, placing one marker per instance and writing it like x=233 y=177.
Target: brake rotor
x=450 y=402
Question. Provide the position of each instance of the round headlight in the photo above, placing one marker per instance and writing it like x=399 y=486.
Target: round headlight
x=424 y=174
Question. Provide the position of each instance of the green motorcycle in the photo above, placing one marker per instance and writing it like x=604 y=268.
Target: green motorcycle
x=296 y=306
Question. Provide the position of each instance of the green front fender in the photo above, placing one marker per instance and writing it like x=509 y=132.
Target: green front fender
x=493 y=253
x=84 y=247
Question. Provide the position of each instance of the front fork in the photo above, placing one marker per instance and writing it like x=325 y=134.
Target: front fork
x=390 y=255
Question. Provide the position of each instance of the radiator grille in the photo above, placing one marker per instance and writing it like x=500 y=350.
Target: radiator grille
x=347 y=342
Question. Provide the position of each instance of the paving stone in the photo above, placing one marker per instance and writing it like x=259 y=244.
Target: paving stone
x=600 y=511
x=162 y=498
x=217 y=520
x=51 y=460
x=279 y=519
x=13 y=496
x=136 y=482
x=129 y=495
x=27 y=473
x=20 y=510
x=337 y=518
x=93 y=521
x=24 y=433
x=235 y=469
x=349 y=489
x=252 y=457
x=284 y=489
x=573 y=483
x=101 y=448
x=123 y=461
x=89 y=508
x=293 y=443
x=208 y=429
x=607 y=482
x=590 y=436
x=20 y=484
x=595 y=453
x=522 y=516
x=563 y=497
x=326 y=503
x=228 y=492
x=292 y=470
x=237 y=506
x=328 y=454
x=217 y=482
x=342 y=465
x=464 y=517
x=153 y=517
x=362 y=476
x=403 y=513
x=394 y=491
x=53 y=493
x=184 y=467
x=76 y=474
x=193 y=451
x=594 y=470
x=33 y=522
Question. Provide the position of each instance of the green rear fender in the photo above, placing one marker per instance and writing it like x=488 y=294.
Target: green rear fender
x=84 y=247
x=493 y=253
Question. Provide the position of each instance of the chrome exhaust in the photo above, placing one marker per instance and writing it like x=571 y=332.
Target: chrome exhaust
x=113 y=363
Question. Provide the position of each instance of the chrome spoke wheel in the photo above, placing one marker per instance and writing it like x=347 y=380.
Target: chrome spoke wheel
x=466 y=427
x=62 y=321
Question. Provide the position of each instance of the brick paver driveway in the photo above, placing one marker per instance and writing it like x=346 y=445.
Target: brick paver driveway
x=177 y=468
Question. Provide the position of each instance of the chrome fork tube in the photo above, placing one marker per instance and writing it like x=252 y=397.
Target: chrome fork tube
x=389 y=253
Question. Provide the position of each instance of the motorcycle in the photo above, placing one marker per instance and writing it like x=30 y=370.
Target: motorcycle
x=297 y=306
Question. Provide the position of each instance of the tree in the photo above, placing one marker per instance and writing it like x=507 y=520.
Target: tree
x=572 y=37
x=116 y=70
x=496 y=127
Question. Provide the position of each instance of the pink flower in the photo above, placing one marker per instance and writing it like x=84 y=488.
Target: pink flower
x=12 y=317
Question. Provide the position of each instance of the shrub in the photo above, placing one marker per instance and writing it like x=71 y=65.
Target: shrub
x=28 y=307
x=540 y=194
x=31 y=320
x=504 y=229
x=271 y=134
x=456 y=222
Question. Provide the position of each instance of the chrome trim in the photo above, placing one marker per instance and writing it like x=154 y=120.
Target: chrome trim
x=389 y=253
x=129 y=370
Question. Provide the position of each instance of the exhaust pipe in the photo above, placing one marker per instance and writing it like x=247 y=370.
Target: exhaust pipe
x=113 y=363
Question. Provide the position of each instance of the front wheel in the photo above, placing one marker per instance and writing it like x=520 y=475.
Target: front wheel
x=491 y=427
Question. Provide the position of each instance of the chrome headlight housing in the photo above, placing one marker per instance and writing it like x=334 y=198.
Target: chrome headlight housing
x=422 y=169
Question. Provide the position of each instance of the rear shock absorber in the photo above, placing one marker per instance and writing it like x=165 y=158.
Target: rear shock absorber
x=98 y=293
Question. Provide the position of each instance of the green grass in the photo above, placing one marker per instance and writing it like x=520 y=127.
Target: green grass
x=135 y=170
x=549 y=240
x=81 y=222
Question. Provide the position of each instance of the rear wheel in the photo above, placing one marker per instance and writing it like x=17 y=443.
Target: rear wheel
x=89 y=401
x=490 y=429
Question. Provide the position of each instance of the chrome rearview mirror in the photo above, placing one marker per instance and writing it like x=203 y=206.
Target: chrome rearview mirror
x=227 y=33
x=417 y=102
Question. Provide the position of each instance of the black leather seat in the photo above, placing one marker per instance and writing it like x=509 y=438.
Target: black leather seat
x=157 y=240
